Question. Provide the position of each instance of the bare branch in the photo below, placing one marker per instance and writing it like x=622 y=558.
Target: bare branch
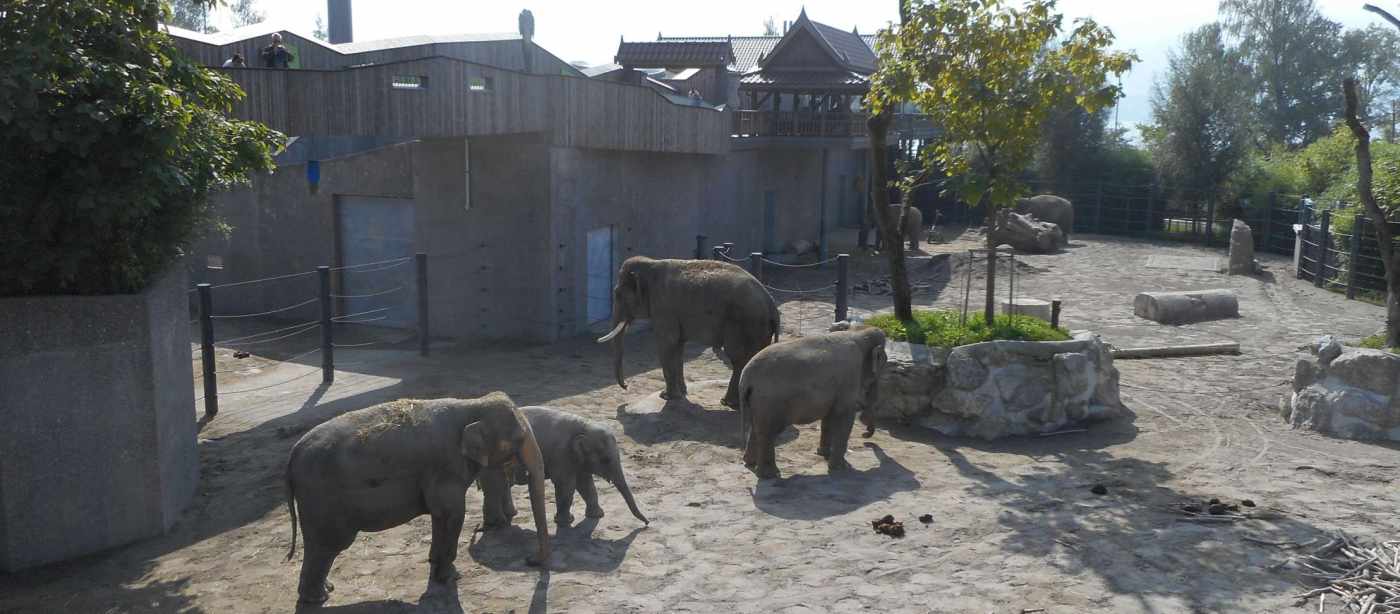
x=1363 y=174
x=1383 y=13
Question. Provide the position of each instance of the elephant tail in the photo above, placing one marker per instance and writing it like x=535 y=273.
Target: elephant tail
x=745 y=393
x=292 y=509
x=774 y=318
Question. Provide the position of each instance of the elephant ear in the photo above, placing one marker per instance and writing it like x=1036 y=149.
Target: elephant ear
x=636 y=281
x=876 y=360
x=474 y=444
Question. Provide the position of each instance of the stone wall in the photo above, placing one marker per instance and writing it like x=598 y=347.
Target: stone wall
x=1347 y=392
x=1001 y=388
x=98 y=445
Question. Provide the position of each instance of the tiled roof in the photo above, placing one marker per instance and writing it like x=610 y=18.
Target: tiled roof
x=850 y=46
x=806 y=79
x=747 y=49
x=601 y=69
x=422 y=39
x=675 y=53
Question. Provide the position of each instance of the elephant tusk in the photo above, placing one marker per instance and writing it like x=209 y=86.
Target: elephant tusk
x=617 y=330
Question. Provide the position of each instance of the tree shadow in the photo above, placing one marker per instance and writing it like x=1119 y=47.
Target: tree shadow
x=685 y=420
x=813 y=497
x=574 y=548
x=438 y=598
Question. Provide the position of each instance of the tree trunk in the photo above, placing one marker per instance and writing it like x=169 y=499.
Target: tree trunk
x=893 y=247
x=989 y=309
x=1377 y=215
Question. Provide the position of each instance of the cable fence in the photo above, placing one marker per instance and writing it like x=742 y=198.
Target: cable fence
x=367 y=292
x=1340 y=251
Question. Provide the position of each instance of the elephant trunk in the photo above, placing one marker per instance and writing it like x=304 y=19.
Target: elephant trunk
x=620 y=481
x=533 y=459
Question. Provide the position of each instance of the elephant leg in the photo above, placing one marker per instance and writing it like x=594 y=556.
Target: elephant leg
x=672 y=354
x=589 y=493
x=564 y=487
x=497 y=509
x=841 y=425
x=765 y=436
x=739 y=351
x=824 y=447
x=322 y=545
x=448 y=507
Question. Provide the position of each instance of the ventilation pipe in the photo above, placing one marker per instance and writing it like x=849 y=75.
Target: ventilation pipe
x=341 y=28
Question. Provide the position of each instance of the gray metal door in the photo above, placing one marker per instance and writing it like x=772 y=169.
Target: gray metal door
x=770 y=222
x=369 y=230
x=600 y=274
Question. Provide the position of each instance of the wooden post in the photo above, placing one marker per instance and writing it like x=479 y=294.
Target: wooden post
x=1322 y=242
x=1354 y=256
x=843 y=287
x=420 y=259
x=1269 y=221
x=1055 y=313
x=699 y=247
x=206 y=350
x=327 y=349
x=756 y=265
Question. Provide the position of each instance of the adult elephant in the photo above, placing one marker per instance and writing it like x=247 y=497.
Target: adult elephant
x=913 y=230
x=1049 y=208
x=705 y=301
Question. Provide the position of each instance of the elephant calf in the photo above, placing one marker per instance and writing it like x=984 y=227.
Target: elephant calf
x=574 y=451
x=382 y=466
x=828 y=377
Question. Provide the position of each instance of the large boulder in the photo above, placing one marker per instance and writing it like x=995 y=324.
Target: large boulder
x=1241 y=249
x=1003 y=388
x=1186 y=307
x=1049 y=208
x=1025 y=233
x=1346 y=392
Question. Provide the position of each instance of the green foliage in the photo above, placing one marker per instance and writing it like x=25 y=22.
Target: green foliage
x=941 y=328
x=191 y=15
x=115 y=143
x=1372 y=55
x=1201 y=125
x=1376 y=342
x=989 y=75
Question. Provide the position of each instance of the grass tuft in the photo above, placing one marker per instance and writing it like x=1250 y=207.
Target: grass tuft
x=941 y=328
x=1376 y=342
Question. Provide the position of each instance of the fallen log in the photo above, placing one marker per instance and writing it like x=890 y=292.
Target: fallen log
x=1176 y=351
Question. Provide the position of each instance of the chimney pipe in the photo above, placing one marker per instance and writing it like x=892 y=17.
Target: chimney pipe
x=341 y=27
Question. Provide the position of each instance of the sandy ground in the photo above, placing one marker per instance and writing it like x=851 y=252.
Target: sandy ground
x=1014 y=528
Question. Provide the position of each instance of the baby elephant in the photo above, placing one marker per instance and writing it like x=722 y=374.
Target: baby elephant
x=828 y=377
x=574 y=451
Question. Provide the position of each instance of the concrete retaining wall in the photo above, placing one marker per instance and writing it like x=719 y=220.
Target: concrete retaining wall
x=98 y=445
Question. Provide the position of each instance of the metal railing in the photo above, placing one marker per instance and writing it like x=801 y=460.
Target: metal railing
x=758 y=123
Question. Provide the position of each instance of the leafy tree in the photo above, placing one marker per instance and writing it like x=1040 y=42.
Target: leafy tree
x=1385 y=244
x=246 y=13
x=1201 y=117
x=1372 y=55
x=319 y=31
x=1071 y=141
x=191 y=15
x=123 y=140
x=1294 y=53
x=988 y=75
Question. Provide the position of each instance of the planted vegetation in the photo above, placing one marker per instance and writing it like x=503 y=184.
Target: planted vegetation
x=941 y=327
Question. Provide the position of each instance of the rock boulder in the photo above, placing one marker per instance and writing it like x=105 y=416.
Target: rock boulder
x=1242 y=249
x=1025 y=233
x=1186 y=307
x=1346 y=392
x=1048 y=208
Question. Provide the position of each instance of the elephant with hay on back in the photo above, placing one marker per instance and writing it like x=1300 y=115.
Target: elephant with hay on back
x=713 y=303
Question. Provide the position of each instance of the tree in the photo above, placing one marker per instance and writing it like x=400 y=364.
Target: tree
x=319 y=31
x=1372 y=55
x=123 y=141
x=770 y=28
x=987 y=75
x=1294 y=53
x=1071 y=142
x=1384 y=239
x=246 y=13
x=191 y=15
x=1201 y=120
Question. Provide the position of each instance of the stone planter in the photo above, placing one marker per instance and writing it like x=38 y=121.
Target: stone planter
x=1001 y=388
x=1346 y=392
x=98 y=444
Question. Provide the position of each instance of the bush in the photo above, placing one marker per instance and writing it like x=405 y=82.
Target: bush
x=941 y=328
x=113 y=143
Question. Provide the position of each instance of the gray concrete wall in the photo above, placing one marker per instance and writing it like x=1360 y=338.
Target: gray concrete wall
x=794 y=175
x=99 y=436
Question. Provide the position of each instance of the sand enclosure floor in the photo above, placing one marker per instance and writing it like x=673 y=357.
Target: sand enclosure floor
x=1014 y=524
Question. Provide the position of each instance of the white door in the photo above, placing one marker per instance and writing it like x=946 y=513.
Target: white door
x=600 y=275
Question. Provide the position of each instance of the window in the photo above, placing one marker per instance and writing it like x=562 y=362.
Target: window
x=480 y=84
x=409 y=82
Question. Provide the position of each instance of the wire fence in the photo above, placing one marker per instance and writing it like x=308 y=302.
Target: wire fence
x=1339 y=250
x=361 y=300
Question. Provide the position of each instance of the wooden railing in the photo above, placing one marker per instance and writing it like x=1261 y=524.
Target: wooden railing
x=750 y=123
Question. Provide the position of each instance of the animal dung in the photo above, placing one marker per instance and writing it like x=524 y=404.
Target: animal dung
x=1247 y=503
x=1099 y=489
x=926 y=518
x=888 y=526
x=240 y=354
x=1217 y=509
x=1191 y=508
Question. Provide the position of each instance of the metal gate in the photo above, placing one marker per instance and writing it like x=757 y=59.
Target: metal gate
x=376 y=229
x=600 y=274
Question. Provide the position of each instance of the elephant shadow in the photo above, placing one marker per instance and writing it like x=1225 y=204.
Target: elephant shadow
x=437 y=599
x=574 y=548
x=682 y=419
x=814 y=497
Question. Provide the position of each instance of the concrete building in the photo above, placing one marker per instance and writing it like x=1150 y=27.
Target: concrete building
x=526 y=181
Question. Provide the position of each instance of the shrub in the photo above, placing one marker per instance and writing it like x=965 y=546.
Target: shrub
x=113 y=143
x=941 y=328
x=1376 y=342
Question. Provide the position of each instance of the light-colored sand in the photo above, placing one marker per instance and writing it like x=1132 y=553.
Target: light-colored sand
x=1014 y=524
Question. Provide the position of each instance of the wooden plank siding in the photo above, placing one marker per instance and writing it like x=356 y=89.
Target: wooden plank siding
x=576 y=111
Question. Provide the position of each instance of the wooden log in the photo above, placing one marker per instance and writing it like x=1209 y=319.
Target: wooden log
x=1176 y=351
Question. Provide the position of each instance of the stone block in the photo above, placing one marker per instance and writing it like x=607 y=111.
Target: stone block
x=1035 y=308
x=1025 y=233
x=99 y=429
x=1346 y=392
x=1186 y=307
x=1241 y=249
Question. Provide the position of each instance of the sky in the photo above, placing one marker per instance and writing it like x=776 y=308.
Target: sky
x=589 y=31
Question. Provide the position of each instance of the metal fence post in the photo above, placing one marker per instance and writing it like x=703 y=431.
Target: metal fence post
x=420 y=260
x=1210 y=222
x=327 y=349
x=756 y=265
x=1323 y=242
x=206 y=349
x=699 y=247
x=1098 y=207
x=843 y=287
x=1354 y=258
x=1055 y=313
x=1269 y=221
